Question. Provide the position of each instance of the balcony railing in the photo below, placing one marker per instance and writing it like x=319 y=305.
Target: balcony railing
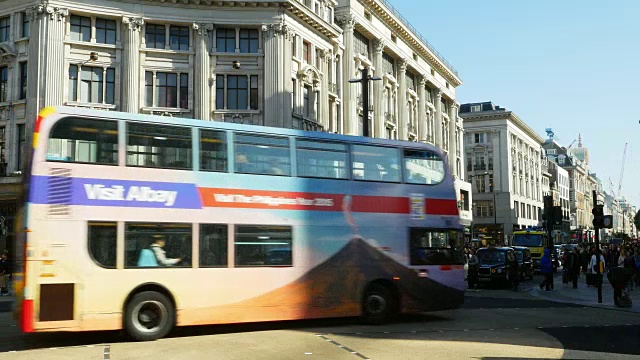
x=479 y=167
x=387 y=3
x=311 y=125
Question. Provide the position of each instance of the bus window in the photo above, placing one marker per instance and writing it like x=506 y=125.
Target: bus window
x=158 y=146
x=213 y=245
x=157 y=245
x=423 y=167
x=262 y=155
x=102 y=243
x=375 y=163
x=322 y=159
x=84 y=140
x=435 y=247
x=263 y=246
x=213 y=150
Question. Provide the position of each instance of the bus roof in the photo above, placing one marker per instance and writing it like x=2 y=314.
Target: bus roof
x=221 y=125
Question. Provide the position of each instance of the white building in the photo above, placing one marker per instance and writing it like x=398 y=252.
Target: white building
x=284 y=63
x=504 y=162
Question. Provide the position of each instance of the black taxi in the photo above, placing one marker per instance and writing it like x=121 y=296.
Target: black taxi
x=494 y=264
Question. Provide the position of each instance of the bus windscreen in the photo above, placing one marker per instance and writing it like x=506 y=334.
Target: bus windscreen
x=528 y=240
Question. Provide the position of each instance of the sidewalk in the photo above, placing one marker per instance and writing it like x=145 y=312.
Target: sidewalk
x=584 y=295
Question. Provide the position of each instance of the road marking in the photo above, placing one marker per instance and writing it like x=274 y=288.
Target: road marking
x=107 y=352
x=343 y=347
x=308 y=353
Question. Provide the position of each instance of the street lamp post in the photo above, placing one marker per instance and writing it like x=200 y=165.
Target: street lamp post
x=364 y=81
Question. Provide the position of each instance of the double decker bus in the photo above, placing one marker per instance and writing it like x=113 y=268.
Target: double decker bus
x=144 y=222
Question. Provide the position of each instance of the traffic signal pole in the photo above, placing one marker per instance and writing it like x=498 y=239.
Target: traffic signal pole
x=598 y=216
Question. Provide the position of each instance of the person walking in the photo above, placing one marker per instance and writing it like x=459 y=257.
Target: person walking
x=514 y=270
x=5 y=270
x=472 y=269
x=636 y=259
x=547 y=270
x=573 y=264
x=629 y=266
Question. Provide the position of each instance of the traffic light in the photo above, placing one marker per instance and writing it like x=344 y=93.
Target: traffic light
x=598 y=216
x=607 y=222
x=557 y=215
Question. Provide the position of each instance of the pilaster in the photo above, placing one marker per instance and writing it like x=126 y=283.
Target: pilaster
x=277 y=74
x=403 y=114
x=378 y=86
x=349 y=91
x=438 y=120
x=326 y=60
x=454 y=147
x=422 y=110
x=131 y=64
x=201 y=74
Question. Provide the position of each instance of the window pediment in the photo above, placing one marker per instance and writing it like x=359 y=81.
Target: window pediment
x=310 y=75
x=8 y=51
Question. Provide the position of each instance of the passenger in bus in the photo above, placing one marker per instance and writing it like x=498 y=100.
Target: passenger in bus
x=160 y=253
x=274 y=167
x=242 y=163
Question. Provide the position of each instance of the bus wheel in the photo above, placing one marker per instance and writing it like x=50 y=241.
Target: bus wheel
x=149 y=316
x=379 y=305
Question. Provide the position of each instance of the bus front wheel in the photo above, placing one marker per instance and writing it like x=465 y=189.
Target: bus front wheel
x=149 y=316
x=379 y=304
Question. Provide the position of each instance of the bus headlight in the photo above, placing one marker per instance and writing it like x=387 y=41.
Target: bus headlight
x=499 y=271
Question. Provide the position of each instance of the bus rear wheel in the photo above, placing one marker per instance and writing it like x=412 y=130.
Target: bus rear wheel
x=149 y=315
x=379 y=305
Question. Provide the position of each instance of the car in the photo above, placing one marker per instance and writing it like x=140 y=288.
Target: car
x=523 y=255
x=494 y=265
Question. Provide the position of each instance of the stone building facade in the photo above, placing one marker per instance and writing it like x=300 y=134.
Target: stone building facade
x=283 y=63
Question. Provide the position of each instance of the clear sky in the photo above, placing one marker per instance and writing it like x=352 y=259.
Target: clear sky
x=572 y=65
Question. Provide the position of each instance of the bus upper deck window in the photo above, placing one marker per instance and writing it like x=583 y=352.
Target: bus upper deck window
x=84 y=140
x=423 y=167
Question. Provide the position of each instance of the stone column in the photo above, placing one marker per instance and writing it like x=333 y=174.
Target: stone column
x=277 y=74
x=46 y=50
x=131 y=64
x=453 y=147
x=403 y=115
x=378 y=87
x=326 y=60
x=422 y=110
x=202 y=72
x=349 y=91
x=438 y=120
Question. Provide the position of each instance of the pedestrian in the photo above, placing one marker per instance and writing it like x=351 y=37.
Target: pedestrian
x=514 y=270
x=612 y=256
x=629 y=266
x=472 y=269
x=636 y=259
x=573 y=265
x=547 y=270
x=618 y=279
x=4 y=274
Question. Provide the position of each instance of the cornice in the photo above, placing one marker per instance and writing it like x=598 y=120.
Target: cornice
x=305 y=14
x=503 y=115
x=433 y=58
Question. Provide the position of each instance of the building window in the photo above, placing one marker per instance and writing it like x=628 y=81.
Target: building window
x=479 y=138
x=388 y=64
x=516 y=207
x=480 y=184
x=80 y=28
x=4 y=29
x=476 y=108
x=22 y=140
x=155 y=36
x=241 y=92
x=4 y=84
x=360 y=44
x=106 y=31
x=179 y=37
x=306 y=105
x=90 y=87
x=226 y=40
x=25 y=24
x=23 y=80
x=306 y=52
x=248 y=41
x=166 y=89
x=490 y=164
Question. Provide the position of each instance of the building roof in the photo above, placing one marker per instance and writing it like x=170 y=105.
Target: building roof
x=489 y=111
